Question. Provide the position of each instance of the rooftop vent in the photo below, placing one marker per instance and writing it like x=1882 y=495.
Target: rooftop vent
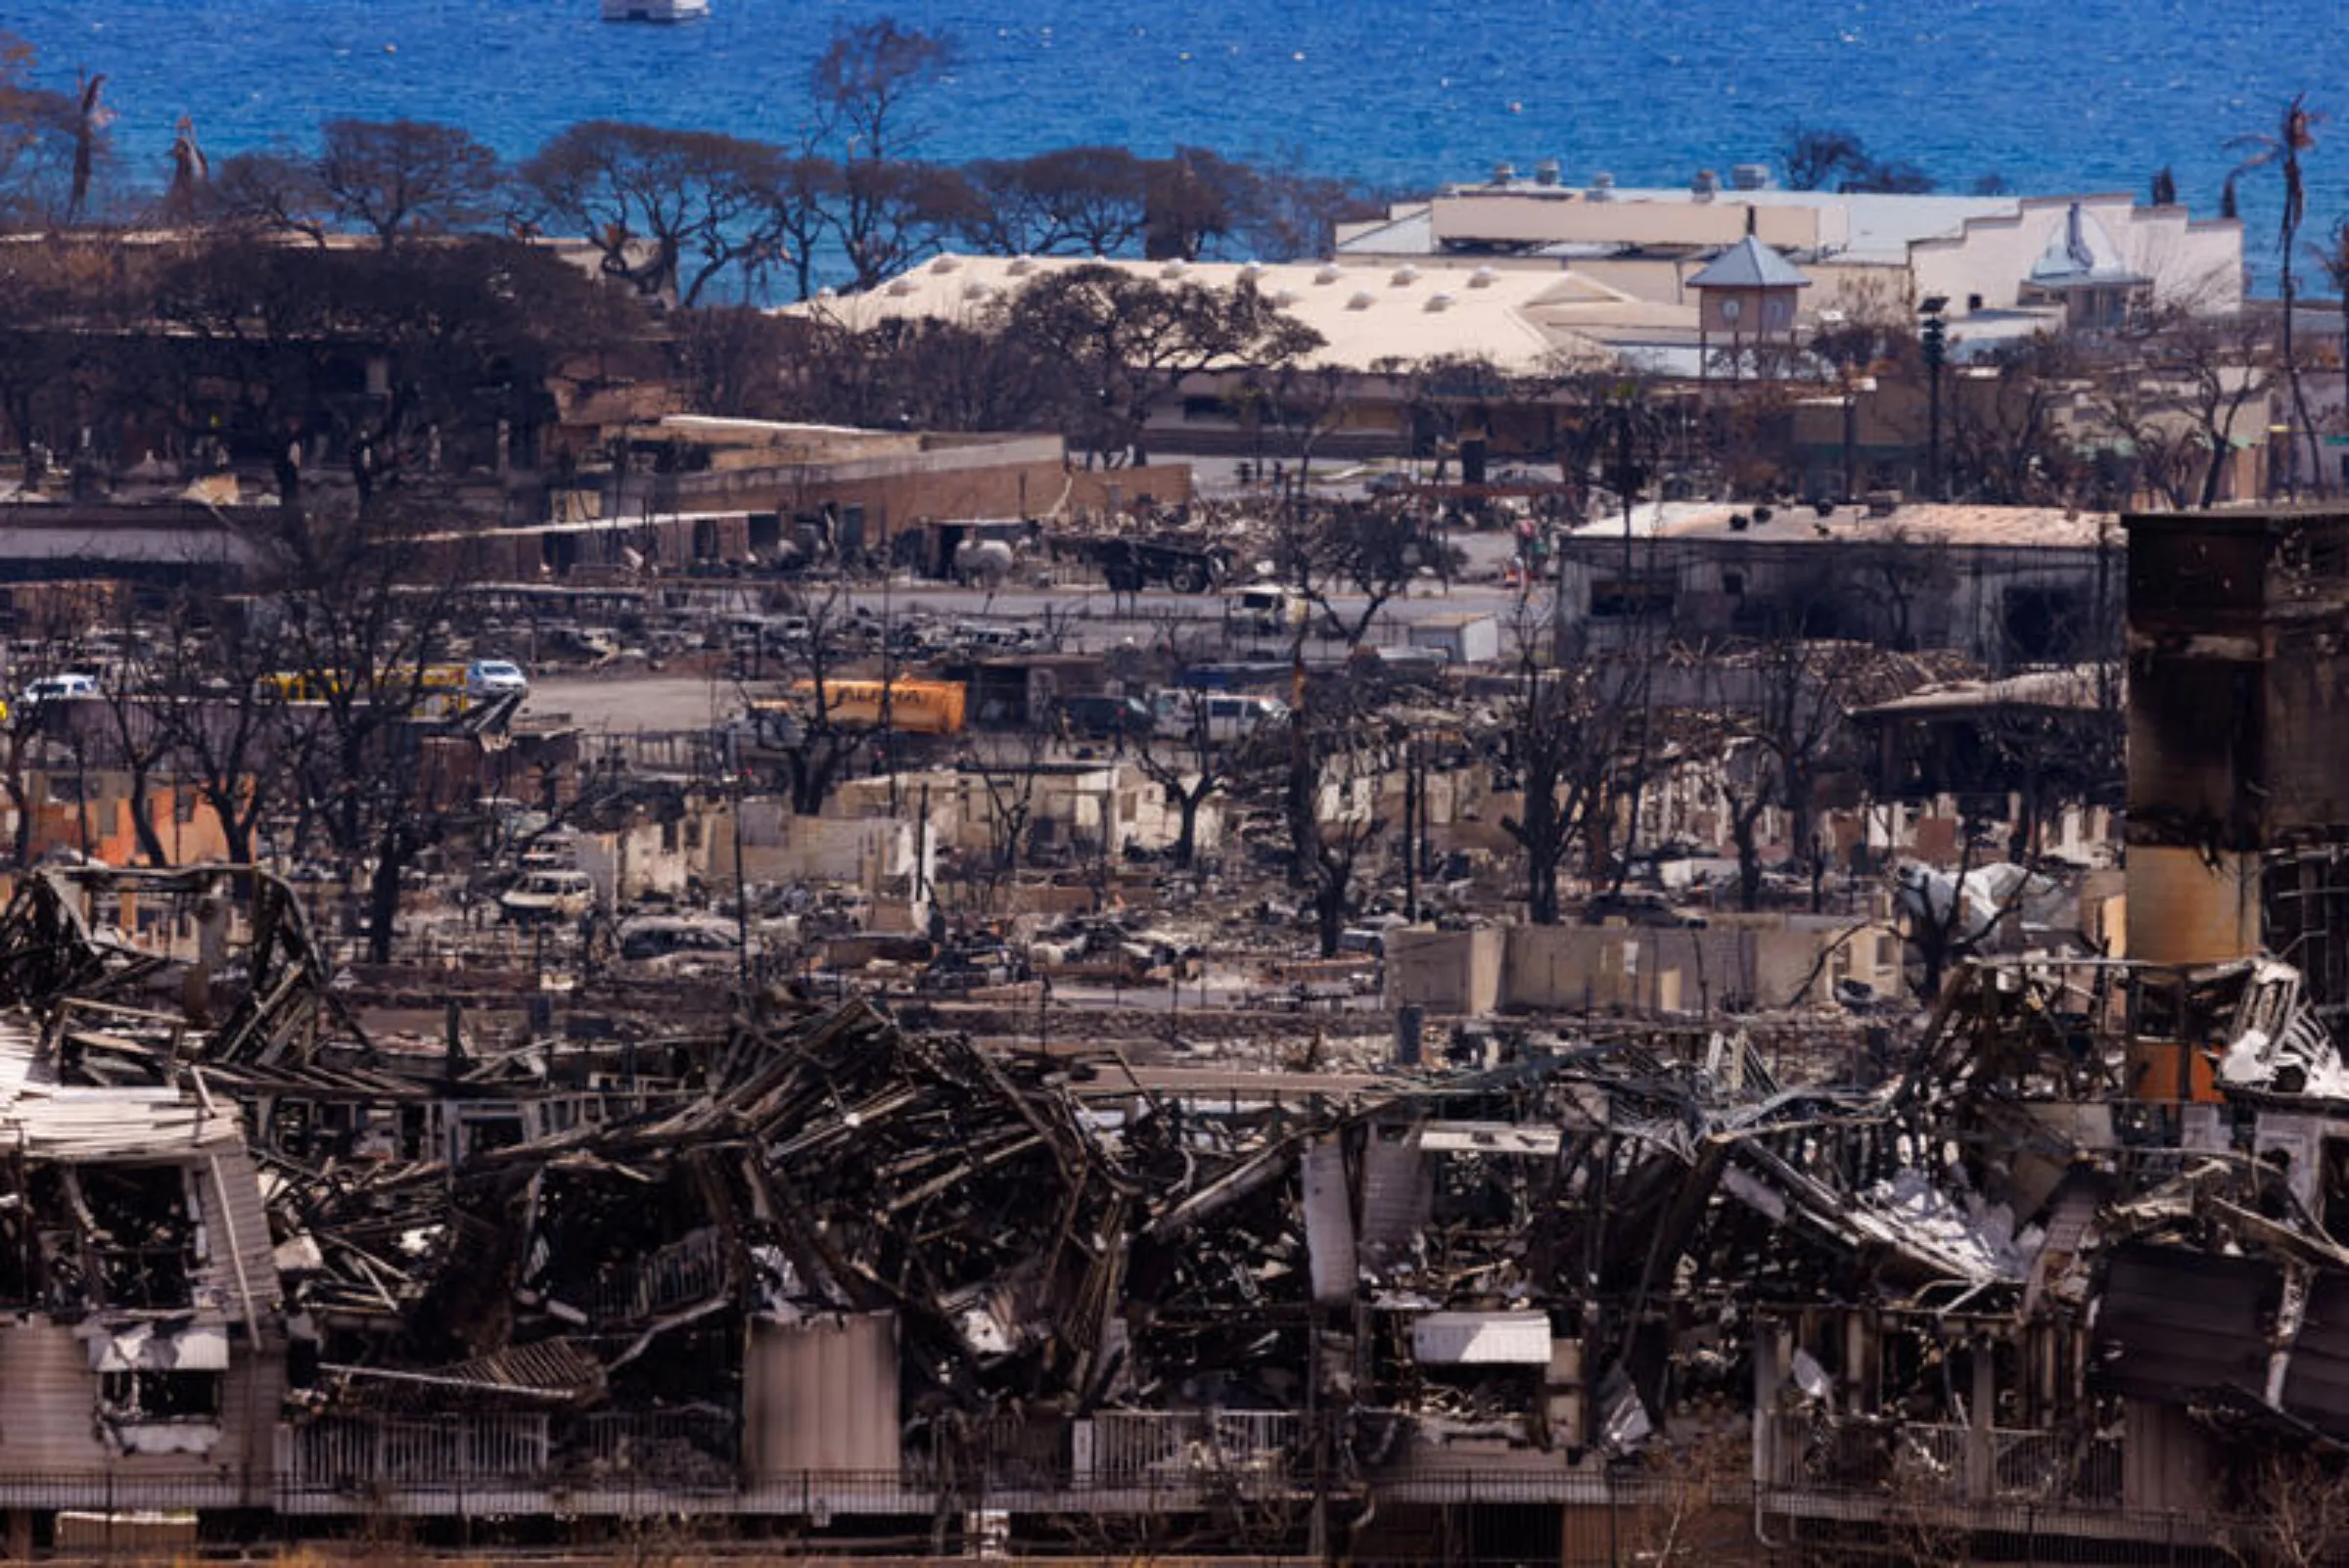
x=1252 y=270
x=1438 y=301
x=1706 y=184
x=1503 y=172
x=1174 y=268
x=945 y=264
x=1602 y=187
x=1284 y=298
x=1882 y=503
x=1327 y=272
x=901 y=287
x=1750 y=176
x=1405 y=276
x=1021 y=266
x=1547 y=171
x=1481 y=278
x=1363 y=300
x=976 y=288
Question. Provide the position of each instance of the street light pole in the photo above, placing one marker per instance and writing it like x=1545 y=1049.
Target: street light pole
x=1851 y=433
x=1936 y=343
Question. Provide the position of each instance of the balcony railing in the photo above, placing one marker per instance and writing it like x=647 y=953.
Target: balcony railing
x=1936 y=1461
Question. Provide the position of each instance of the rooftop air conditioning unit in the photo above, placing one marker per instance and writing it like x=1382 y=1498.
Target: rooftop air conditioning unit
x=1503 y=172
x=1750 y=176
x=1548 y=172
x=1602 y=187
x=1706 y=185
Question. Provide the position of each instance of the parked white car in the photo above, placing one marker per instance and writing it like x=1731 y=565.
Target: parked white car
x=1228 y=717
x=51 y=688
x=548 y=895
x=495 y=677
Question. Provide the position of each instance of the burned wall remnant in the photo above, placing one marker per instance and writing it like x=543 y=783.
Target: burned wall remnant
x=2238 y=740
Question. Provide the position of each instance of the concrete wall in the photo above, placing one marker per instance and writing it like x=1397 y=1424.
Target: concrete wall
x=1742 y=962
x=1026 y=476
x=1455 y=972
x=640 y=858
x=104 y=825
x=1956 y=596
x=1072 y=802
x=864 y=852
x=2199 y=264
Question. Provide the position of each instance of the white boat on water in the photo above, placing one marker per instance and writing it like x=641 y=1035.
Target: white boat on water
x=654 y=10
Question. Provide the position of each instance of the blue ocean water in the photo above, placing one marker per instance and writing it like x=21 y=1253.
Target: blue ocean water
x=2068 y=95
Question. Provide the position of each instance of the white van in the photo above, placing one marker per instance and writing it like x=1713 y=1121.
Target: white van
x=1230 y=716
x=51 y=688
x=548 y=895
x=1269 y=610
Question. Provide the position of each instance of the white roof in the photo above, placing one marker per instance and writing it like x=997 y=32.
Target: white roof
x=1515 y=318
x=1481 y=1339
x=1881 y=226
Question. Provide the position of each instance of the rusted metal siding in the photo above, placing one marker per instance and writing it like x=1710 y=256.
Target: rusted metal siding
x=2239 y=733
x=822 y=1396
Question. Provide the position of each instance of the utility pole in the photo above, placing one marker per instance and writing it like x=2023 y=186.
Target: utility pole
x=1414 y=805
x=1936 y=343
x=742 y=896
x=1851 y=435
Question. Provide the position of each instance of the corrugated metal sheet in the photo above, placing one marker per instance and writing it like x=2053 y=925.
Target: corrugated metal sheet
x=2315 y=1384
x=1482 y=1339
x=2175 y=1326
x=822 y=1396
x=237 y=1234
x=1397 y=1196
x=1329 y=1224
x=552 y=1371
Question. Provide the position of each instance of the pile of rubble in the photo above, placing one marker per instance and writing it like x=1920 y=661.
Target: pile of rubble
x=2021 y=1251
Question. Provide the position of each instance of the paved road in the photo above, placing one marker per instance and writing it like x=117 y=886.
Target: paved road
x=635 y=699
x=1091 y=618
x=1095 y=618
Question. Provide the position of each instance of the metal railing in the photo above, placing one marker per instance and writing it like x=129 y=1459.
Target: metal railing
x=1939 y=1461
x=1606 y=1517
x=1128 y=1445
